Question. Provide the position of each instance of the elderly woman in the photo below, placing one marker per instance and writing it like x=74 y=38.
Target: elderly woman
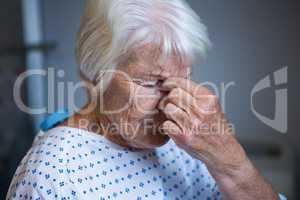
x=147 y=132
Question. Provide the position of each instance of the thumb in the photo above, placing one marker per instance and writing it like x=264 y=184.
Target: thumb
x=170 y=128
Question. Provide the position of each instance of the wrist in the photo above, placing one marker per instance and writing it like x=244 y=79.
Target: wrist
x=231 y=165
x=244 y=182
x=235 y=174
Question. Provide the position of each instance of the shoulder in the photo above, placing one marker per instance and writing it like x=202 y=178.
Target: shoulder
x=42 y=173
x=61 y=162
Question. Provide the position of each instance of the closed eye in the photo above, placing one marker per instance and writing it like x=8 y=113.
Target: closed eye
x=144 y=83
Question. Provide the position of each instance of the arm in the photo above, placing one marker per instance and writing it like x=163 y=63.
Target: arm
x=197 y=124
x=243 y=182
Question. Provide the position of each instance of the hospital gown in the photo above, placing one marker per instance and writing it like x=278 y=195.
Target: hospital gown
x=67 y=163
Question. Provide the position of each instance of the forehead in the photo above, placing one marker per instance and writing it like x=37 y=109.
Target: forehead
x=147 y=61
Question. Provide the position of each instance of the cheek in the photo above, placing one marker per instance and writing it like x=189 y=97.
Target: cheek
x=117 y=95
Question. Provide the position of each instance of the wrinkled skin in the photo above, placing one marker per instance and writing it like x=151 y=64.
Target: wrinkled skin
x=142 y=89
x=139 y=95
x=196 y=123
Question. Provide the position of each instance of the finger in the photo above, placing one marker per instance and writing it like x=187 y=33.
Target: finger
x=170 y=128
x=177 y=115
x=192 y=106
x=205 y=99
x=189 y=86
x=180 y=98
x=208 y=104
x=174 y=132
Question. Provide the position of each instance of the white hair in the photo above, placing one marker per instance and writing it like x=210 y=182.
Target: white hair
x=112 y=28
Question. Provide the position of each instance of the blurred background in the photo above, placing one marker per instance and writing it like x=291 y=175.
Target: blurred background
x=252 y=40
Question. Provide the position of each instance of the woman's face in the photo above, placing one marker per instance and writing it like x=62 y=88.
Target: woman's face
x=134 y=94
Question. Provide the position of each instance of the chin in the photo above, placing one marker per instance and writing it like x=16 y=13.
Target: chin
x=160 y=140
x=153 y=141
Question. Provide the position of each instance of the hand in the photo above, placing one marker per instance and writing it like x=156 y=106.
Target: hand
x=197 y=124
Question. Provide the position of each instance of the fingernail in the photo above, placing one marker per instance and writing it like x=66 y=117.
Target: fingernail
x=170 y=108
x=166 y=86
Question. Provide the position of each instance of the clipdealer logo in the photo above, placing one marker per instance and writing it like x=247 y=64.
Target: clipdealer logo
x=276 y=81
x=279 y=85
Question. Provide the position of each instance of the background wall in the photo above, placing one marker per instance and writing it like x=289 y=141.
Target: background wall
x=15 y=128
x=252 y=39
